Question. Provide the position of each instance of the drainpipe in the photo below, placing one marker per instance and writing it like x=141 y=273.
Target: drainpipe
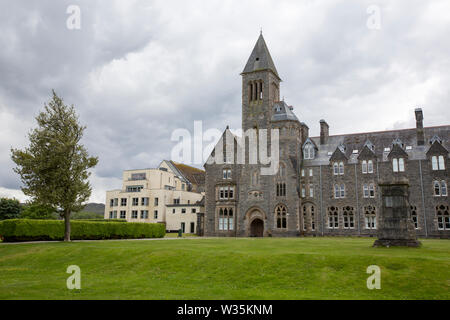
x=321 y=198
x=357 y=198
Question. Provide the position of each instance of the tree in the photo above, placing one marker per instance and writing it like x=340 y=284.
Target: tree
x=38 y=211
x=55 y=167
x=9 y=208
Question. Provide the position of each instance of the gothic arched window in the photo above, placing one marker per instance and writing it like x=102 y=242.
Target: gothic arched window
x=281 y=216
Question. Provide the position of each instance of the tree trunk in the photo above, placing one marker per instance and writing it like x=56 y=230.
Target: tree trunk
x=67 y=225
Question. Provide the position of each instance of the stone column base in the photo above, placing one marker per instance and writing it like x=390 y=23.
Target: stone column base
x=397 y=243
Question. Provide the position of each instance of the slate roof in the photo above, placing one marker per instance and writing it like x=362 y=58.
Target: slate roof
x=281 y=111
x=260 y=58
x=380 y=140
x=193 y=175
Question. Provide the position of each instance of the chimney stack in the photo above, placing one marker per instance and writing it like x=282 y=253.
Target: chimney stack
x=304 y=132
x=324 y=132
x=419 y=127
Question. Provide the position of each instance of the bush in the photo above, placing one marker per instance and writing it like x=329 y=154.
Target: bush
x=39 y=212
x=102 y=220
x=9 y=208
x=16 y=230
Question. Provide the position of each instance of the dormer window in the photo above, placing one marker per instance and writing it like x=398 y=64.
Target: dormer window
x=438 y=163
x=338 y=168
x=367 y=166
x=308 y=151
x=398 y=165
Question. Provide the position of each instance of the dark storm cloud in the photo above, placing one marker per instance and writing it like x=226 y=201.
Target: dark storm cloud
x=137 y=70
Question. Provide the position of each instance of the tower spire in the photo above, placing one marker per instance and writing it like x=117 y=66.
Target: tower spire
x=260 y=58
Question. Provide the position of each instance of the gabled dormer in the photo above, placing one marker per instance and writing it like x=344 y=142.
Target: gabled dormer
x=437 y=154
x=309 y=149
x=338 y=160
x=368 y=151
x=397 y=150
x=436 y=147
x=398 y=156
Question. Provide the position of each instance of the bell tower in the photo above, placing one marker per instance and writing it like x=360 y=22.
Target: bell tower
x=260 y=88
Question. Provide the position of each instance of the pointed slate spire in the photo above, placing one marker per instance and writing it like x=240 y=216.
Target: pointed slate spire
x=260 y=58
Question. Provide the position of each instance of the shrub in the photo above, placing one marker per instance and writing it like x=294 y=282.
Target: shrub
x=102 y=220
x=16 y=230
x=9 y=208
x=39 y=212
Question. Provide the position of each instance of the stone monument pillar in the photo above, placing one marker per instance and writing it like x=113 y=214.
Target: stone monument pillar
x=395 y=225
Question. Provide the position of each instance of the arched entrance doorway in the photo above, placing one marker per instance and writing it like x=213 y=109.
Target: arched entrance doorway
x=257 y=228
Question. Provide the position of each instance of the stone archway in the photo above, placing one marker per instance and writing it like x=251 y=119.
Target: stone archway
x=257 y=228
x=255 y=220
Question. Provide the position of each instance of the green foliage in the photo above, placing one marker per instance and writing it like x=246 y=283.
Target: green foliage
x=54 y=168
x=9 y=208
x=16 y=230
x=38 y=211
x=82 y=215
x=103 y=220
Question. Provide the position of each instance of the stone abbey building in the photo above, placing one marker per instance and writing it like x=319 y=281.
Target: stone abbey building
x=326 y=185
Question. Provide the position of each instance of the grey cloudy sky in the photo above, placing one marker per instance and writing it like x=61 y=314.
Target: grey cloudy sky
x=137 y=70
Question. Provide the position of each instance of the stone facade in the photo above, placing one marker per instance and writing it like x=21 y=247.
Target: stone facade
x=326 y=185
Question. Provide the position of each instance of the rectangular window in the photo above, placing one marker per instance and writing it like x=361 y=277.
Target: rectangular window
x=135 y=201
x=193 y=210
x=134 y=188
x=372 y=191
x=111 y=203
x=441 y=163
x=137 y=176
x=123 y=214
x=303 y=172
x=183 y=210
x=341 y=168
x=303 y=192
x=145 y=201
x=123 y=202
x=156 y=201
x=342 y=191
x=370 y=166
x=401 y=165
x=144 y=214
x=134 y=214
x=311 y=191
x=366 y=191
x=176 y=201
x=192 y=227
x=173 y=211
x=434 y=163
x=155 y=214
x=364 y=167
x=337 y=192
x=395 y=165
x=310 y=172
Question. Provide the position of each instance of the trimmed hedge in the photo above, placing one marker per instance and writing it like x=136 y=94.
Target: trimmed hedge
x=100 y=220
x=16 y=230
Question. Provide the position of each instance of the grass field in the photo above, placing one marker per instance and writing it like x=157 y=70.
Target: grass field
x=300 y=268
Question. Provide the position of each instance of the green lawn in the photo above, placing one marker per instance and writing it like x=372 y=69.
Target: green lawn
x=300 y=268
